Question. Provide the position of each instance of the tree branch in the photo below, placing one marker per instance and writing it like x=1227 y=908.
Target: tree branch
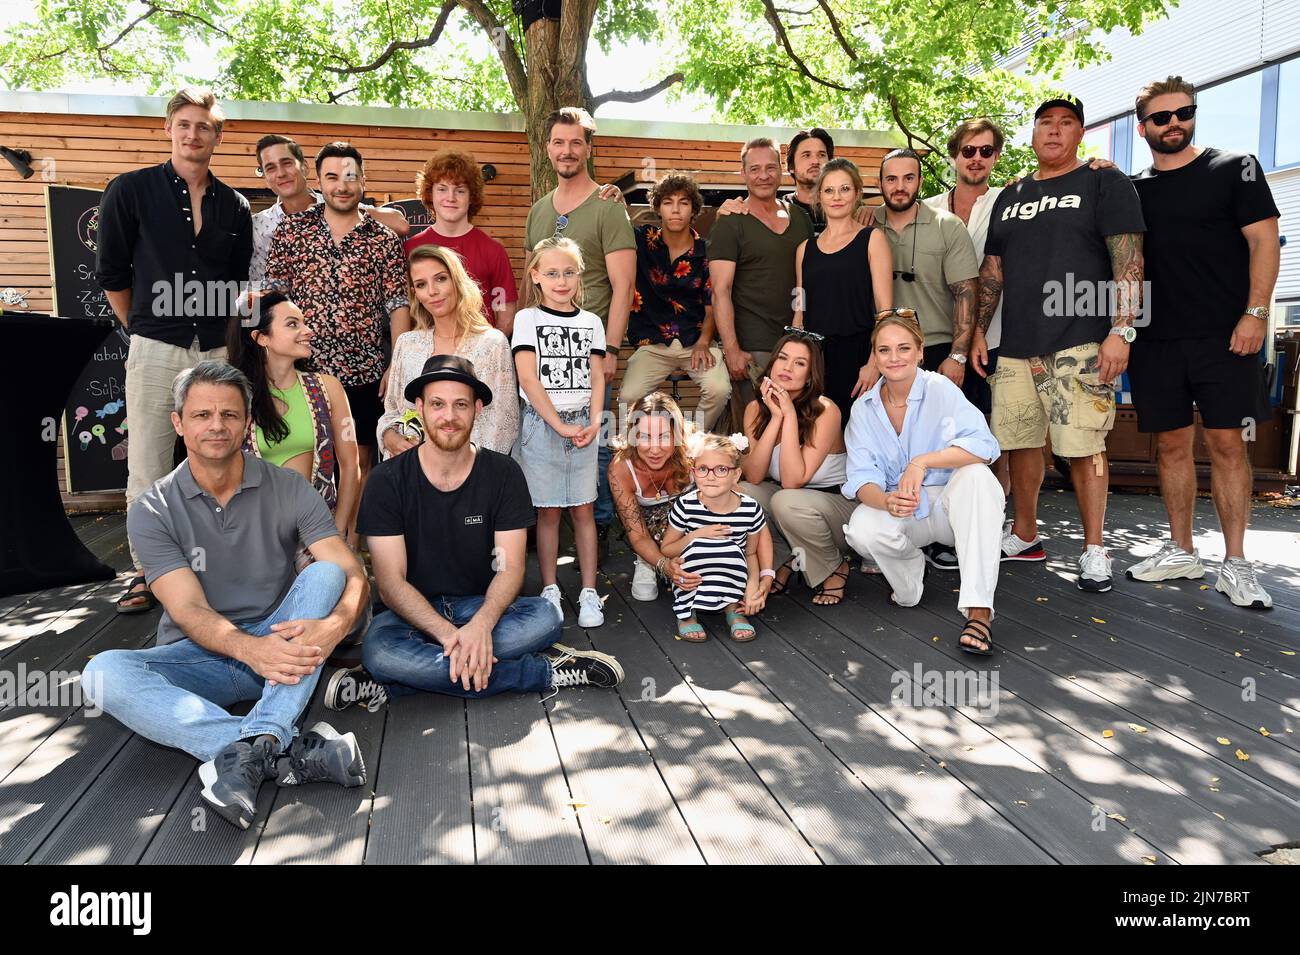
x=769 y=11
x=500 y=38
x=911 y=136
x=438 y=25
x=835 y=28
x=636 y=96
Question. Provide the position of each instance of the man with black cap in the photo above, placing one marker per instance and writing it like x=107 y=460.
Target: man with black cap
x=446 y=525
x=1064 y=256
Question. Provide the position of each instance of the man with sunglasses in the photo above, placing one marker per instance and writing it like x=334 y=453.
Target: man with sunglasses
x=935 y=268
x=1064 y=256
x=1212 y=256
x=578 y=209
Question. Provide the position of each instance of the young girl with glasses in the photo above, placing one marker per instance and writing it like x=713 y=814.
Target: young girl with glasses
x=721 y=535
x=558 y=349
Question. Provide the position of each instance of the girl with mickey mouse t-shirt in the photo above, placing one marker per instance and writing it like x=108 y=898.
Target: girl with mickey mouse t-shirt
x=553 y=343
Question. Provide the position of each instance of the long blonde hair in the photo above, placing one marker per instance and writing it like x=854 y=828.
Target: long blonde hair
x=469 y=300
x=658 y=404
x=556 y=243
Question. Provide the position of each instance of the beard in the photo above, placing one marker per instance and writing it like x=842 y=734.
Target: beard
x=1159 y=144
x=450 y=442
x=975 y=181
x=905 y=204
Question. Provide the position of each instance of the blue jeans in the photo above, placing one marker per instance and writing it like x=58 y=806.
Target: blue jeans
x=407 y=661
x=175 y=694
x=603 y=509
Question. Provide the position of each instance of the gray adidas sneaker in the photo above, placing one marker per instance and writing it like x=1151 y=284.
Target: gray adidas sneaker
x=232 y=780
x=1170 y=562
x=321 y=755
x=1237 y=581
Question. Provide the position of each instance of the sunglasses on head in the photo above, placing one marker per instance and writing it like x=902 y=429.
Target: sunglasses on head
x=903 y=311
x=804 y=333
x=968 y=152
x=1163 y=117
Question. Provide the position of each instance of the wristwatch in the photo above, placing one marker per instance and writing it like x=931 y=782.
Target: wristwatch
x=959 y=359
x=1126 y=332
x=1259 y=311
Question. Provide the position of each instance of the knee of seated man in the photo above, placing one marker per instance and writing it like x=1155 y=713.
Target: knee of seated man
x=103 y=674
x=326 y=577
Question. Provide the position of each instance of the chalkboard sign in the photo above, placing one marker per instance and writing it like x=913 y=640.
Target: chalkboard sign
x=415 y=213
x=94 y=418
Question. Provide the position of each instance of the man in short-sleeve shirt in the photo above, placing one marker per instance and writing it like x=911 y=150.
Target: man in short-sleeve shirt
x=1212 y=256
x=576 y=210
x=447 y=526
x=751 y=267
x=1064 y=255
x=451 y=187
x=217 y=540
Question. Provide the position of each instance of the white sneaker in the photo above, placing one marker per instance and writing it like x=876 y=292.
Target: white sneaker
x=1094 y=570
x=1168 y=563
x=1013 y=548
x=591 y=609
x=1237 y=580
x=645 y=585
x=552 y=593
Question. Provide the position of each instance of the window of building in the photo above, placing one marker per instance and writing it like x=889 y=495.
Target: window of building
x=1097 y=142
x=1286 y=148
x=1227 y=115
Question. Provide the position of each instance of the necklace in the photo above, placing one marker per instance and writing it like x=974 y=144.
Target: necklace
x=894 y=404
x=658 y=486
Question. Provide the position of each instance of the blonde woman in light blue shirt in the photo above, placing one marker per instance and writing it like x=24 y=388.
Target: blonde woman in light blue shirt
x=918 y=465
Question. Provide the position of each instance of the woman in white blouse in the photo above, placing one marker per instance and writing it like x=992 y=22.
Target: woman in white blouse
x=447 y=311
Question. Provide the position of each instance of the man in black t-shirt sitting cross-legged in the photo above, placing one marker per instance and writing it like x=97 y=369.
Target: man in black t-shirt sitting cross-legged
x=446 y=525
x=1212 y=259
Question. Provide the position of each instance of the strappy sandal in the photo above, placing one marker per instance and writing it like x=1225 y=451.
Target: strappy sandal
x=780 y=587
x=150 y=601
x=977 y=630
x=835 y=593
x=738 y=625
x=691 y=631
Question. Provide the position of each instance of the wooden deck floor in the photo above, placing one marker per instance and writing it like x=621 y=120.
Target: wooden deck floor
x=787 y=749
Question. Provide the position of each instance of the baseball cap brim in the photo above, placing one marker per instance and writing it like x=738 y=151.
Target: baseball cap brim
x=1074 y=106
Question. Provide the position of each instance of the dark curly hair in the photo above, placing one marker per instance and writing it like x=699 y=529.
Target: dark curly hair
x=677 y=183
x=454 y=166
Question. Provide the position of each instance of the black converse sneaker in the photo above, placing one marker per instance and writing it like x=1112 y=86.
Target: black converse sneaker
x=321 y=755
x=354 y=686
x=232 y=780
x=572 y=667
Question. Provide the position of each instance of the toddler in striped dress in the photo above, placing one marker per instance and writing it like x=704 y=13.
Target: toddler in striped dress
x=723 y=536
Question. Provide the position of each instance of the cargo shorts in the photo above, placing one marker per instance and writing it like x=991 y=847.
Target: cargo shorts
x=1058 y=395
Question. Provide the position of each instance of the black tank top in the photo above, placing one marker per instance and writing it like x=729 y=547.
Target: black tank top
x=838 y=299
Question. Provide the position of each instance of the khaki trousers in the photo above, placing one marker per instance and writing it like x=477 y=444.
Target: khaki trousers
x=651 y=364
x=811 y=522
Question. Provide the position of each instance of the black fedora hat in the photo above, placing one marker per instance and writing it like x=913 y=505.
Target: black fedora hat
x=448 y=368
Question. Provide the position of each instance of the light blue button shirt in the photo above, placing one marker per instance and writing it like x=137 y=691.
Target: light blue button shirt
x=938 y=416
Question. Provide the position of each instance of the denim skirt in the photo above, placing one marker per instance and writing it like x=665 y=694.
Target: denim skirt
x=559 y=473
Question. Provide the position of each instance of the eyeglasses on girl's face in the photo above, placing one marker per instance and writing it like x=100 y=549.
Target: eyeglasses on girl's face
x=554 y=275
x=718 y=470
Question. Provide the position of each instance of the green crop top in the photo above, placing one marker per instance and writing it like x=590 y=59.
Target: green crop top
x=302 y=431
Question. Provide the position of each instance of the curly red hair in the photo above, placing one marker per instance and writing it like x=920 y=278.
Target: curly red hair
x=453 y=166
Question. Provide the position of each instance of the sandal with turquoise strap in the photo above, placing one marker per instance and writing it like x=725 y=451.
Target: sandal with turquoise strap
x=742 y=631
x=691 y=631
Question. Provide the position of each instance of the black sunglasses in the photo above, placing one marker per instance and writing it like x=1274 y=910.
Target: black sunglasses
x=804 y=333
x=1162 y=117
x=969 y=152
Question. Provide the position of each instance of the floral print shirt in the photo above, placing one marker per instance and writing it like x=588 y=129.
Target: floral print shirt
x=670 y=296
x=346 y=290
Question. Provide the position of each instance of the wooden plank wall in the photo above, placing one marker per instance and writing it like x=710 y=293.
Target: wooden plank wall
x=85 y=150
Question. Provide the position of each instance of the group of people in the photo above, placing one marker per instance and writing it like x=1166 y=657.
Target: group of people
x=872 y=380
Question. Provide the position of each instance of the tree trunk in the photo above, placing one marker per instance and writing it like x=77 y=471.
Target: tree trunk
x=556 y=59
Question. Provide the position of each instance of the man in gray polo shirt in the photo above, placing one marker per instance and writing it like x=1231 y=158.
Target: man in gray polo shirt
x=217 y=539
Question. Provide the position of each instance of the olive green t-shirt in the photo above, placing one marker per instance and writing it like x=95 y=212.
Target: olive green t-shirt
x=762 y=293
x=937 y=248
x=599 y=226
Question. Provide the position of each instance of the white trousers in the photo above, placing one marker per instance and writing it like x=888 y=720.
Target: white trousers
x=966 y=513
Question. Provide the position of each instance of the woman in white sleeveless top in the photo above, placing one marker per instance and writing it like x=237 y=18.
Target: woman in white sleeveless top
x=797 y=464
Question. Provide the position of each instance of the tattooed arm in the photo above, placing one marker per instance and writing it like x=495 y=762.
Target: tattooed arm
x=963 y=314
x=1126 y=265
x=990 y=290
